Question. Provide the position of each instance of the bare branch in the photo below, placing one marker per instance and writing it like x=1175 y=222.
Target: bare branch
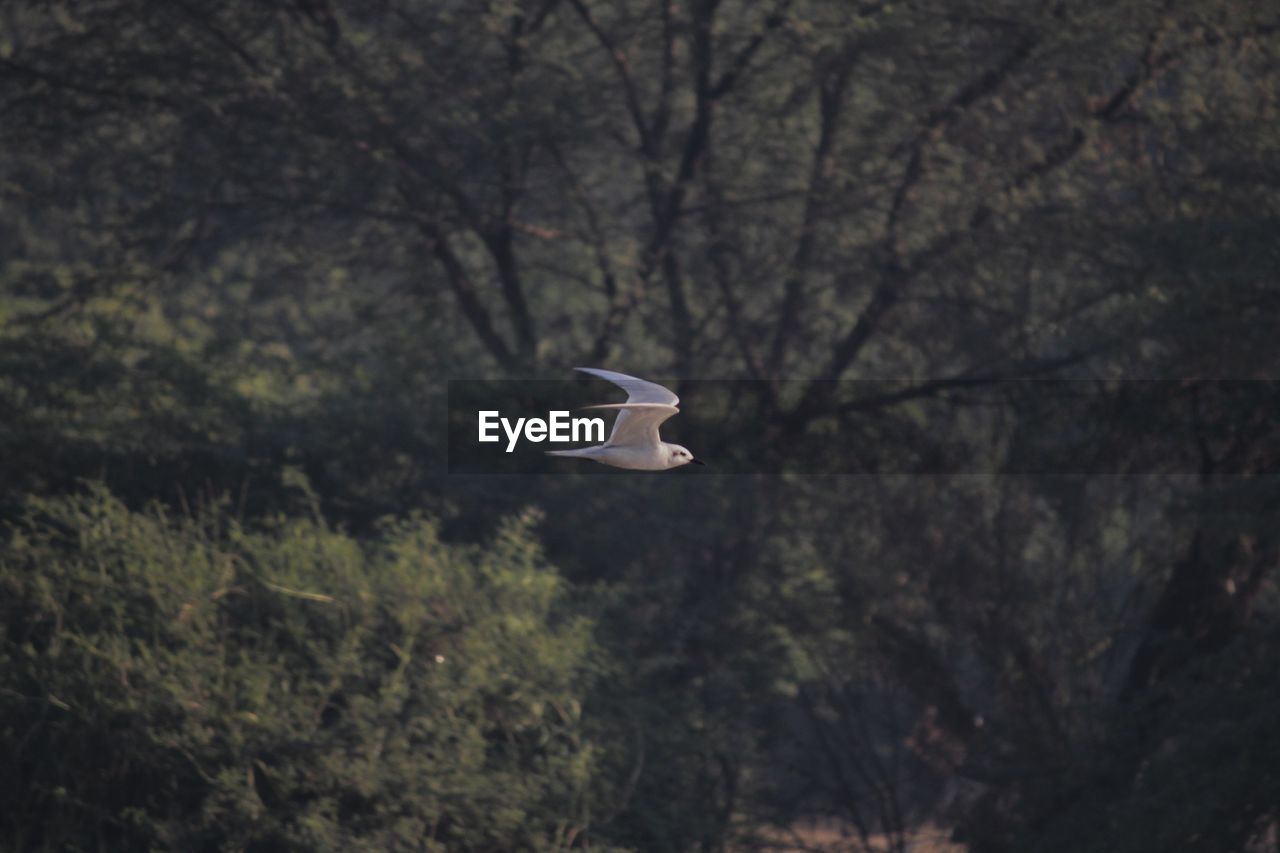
x=831 y=92
x=468 y=299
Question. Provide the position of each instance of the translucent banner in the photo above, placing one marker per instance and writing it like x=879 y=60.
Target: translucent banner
x=943 y=427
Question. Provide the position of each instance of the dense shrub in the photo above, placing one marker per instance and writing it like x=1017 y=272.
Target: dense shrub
x=186 y=683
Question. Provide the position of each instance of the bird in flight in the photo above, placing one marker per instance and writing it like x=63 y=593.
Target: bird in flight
x=634 y=442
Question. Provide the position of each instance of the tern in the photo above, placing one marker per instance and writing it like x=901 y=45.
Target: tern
x=634 y=442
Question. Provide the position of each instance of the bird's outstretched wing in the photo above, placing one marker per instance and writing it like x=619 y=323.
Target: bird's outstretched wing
x=648 y=405
x=637 y=423
x=638 y=390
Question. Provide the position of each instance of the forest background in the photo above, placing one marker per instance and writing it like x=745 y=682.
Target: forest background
x=244 y=246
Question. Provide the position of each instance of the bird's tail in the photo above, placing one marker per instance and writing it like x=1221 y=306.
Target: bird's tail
x=581 y=451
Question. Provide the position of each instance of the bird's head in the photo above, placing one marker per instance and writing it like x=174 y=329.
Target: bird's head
x=682 y=456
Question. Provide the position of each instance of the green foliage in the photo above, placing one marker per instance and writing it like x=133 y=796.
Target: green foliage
x=186 y=683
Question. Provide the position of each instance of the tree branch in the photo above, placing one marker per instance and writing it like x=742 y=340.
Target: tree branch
x=468 y=299
x=831 y=90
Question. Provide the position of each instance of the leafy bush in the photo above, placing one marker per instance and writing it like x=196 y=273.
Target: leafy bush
x=186 y=683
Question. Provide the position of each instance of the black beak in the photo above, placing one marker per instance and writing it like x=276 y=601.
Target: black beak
x=696 y=462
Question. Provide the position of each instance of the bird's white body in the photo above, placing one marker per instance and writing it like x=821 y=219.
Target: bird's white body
x=634 y=442
x=659 y=458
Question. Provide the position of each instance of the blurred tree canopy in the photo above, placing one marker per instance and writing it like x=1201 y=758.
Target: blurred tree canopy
x=243 y=245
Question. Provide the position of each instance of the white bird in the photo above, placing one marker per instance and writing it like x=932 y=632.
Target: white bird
x=634 y=442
